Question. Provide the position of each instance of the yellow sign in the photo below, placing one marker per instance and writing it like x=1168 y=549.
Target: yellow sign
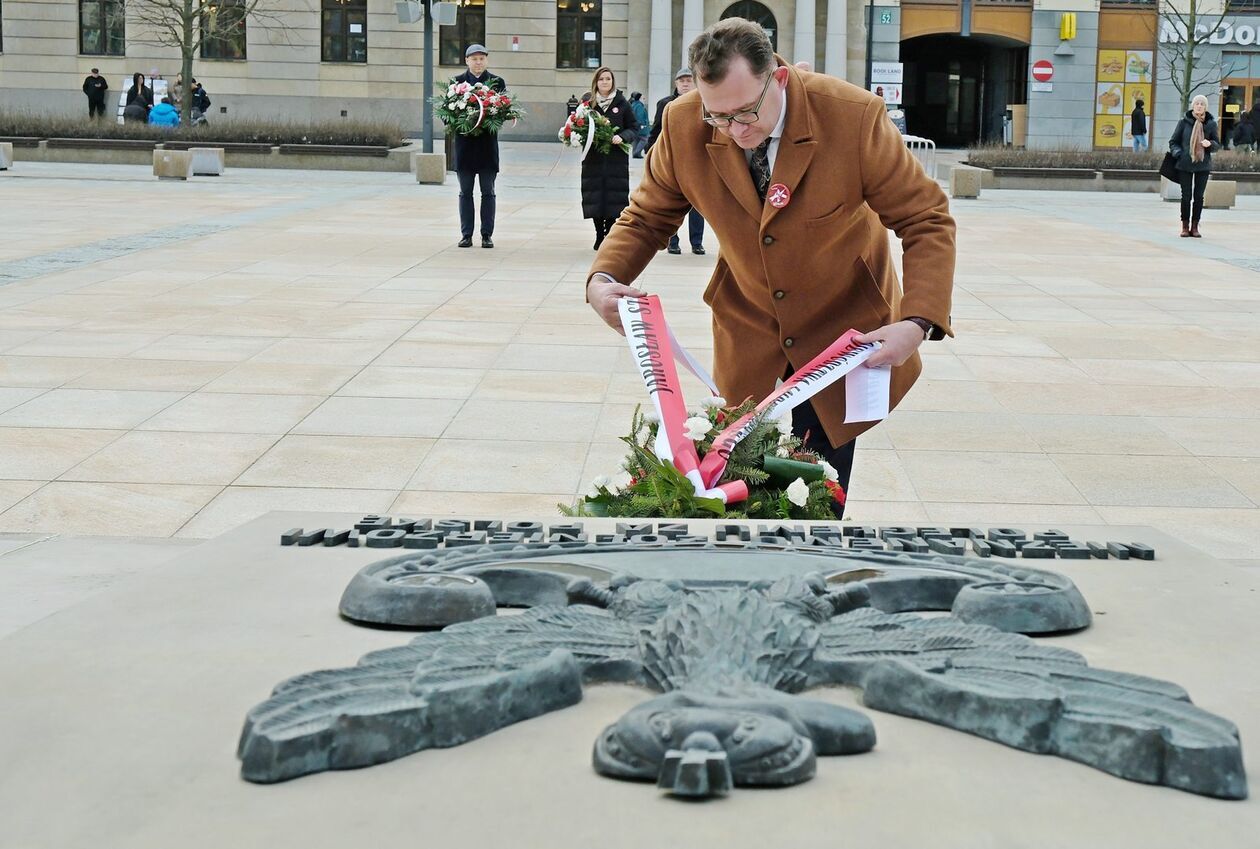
x=1111 y=66
x=1232 y=108
x=1136 y=92
x=1110 y=99
x=1108 y=130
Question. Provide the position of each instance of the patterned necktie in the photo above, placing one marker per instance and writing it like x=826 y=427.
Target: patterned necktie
x=759 y=168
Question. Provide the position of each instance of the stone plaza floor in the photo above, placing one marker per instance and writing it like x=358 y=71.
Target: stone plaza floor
x=179 y=358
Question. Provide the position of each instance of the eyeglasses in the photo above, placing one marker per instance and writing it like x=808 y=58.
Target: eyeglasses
x=748 y=116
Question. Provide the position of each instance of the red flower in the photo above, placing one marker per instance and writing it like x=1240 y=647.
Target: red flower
x=568 y=130
x=633 y=481
x=837 y=492
x=719 y=418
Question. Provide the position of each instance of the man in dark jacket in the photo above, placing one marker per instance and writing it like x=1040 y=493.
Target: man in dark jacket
x=94 y=86
x=477 y=157
x=683 y=83
x=1137 y=126
x=200 y=104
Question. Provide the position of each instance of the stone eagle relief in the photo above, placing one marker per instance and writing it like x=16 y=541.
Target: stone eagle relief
x=729 y=658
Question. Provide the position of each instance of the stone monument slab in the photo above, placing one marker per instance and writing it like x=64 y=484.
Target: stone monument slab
x=122 y=715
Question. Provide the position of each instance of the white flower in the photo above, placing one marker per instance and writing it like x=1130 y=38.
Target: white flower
x=798 y=492
x=714 y=402
x=782 y=452
x=784 y=439
x=651 y=417
x=829 y=472
x=600 y=481
x=697 y=427
x=784 y=423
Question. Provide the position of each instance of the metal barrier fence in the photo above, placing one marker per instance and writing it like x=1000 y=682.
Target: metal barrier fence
x=924 y=150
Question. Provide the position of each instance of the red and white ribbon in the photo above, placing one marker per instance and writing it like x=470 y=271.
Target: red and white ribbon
x=654 y=346
x=590 y=133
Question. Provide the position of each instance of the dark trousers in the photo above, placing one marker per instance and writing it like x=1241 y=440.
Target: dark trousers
x=1193 y=183
x=466 y=178
x=96 y=108
x=805 y=425
x=695 y=230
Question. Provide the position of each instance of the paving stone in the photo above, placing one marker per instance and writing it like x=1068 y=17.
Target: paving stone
x=385 y=538
x=290 y=537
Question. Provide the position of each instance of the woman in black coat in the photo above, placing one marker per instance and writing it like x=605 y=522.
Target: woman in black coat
x=606 y=176
x=1192 y=144
x=140 y=93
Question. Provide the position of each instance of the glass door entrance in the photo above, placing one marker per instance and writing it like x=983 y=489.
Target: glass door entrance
x=1237 y=96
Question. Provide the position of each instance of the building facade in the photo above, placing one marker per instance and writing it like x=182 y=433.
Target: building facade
x=328 y=59
x=1067 y=71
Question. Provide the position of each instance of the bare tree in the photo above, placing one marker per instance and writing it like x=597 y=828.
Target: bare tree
x=1184 y=31
x=188 y=24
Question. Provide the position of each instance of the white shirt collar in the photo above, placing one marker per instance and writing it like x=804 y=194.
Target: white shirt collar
x=777 y=132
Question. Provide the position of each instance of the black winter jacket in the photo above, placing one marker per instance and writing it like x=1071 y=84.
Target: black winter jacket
x=1179 y=143
x=660 y=113
x=95 y=88
x=1137 y=126
x=606 y=176
x=480 y=152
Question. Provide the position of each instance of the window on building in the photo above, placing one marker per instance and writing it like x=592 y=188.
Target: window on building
x=344 y=29
x=102 y=27
x=223 y=30
x=579 y=33
x=469 y=28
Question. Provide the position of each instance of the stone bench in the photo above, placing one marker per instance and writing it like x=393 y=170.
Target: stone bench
x=6 y=156
x=22 y=141
x=1220 y=194
x=227 y=147
x=429 y=168
x=965 y=181
x=207 y=161
x=172 y=164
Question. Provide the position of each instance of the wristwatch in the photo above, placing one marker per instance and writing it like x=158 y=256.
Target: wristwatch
x=923 y=324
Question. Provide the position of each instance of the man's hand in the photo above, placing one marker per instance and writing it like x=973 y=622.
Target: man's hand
x=604 y=294
x=616 y=139
x=899 y=340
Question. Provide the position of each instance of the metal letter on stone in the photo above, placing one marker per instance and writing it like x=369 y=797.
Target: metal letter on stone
x=729 y=636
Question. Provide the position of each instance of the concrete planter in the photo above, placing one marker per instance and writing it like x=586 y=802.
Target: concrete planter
x=107 y=152
x=6 y=156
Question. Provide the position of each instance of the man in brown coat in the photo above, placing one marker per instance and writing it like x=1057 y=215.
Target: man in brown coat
x=800 y=176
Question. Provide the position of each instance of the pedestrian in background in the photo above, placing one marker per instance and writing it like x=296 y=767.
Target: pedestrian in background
x=1192 y=144
x=640 y=115
x=1137 y=126
x=95 y=86
x=477 y=157
x=140 y=94
x=200 y=104
x=606 y=176
x=1245 y=133
x=683 y=83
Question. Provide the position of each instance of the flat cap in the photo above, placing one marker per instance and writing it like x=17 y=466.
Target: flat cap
x=476 y=48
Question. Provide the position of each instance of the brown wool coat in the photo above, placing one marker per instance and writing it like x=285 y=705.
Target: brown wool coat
x=789 y=281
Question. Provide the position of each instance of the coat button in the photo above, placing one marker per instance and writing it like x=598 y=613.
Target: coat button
x=789 y=342
x=778 y=294
x=768 y=240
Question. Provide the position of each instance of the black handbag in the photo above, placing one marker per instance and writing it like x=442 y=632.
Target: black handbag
x=1168 y=168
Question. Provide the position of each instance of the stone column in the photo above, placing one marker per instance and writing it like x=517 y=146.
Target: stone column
x=803 y=35
x=693 y=25
x=660 y=68
x=837 y=38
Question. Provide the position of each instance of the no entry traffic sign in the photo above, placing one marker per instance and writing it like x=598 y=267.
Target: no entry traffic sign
x=1042 y=70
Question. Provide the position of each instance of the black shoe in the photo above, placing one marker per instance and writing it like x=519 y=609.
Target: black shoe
x=698 y=250
x=674 y=249
x=466 y=242
x=487 y=242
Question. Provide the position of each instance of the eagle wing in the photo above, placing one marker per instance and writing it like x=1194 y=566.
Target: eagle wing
x=1038 y=698
x=441 y=689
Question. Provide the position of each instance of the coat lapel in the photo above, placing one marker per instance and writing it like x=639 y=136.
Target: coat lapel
x=730 y=164
x=797 y=145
